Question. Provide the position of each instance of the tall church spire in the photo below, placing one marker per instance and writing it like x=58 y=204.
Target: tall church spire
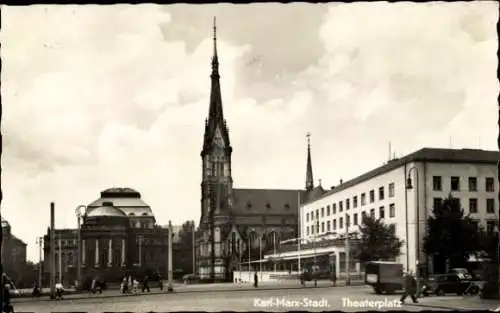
x=309 y=172
x=215 y=121
x=215 y=113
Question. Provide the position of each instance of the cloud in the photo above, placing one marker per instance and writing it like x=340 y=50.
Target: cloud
x=93 y=101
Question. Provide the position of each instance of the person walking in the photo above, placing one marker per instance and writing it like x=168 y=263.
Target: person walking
x=410 y=286
x=255 y=280
x=145 y=284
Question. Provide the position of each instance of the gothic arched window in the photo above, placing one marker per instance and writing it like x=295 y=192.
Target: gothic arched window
x=233 y=243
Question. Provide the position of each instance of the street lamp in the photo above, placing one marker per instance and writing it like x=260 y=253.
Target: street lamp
x=78 y=211
x=409 y=186
x=39 y=241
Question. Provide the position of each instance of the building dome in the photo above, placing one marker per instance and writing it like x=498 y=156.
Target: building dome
x=107 y=210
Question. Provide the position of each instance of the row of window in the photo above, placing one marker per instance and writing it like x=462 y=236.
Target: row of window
x=381 y=196
x=473 y=204
x=332 y=225
x=437 y=184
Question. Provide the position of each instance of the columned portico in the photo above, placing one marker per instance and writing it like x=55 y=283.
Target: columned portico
x=123 y=252
x=84 y=254
x=97 y=253
x=110 y=252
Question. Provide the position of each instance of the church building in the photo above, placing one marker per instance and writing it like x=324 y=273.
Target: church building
x=237 y=226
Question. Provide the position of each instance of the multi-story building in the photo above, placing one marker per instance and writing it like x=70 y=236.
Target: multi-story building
x=13 y=250
x=403 y=192
x=119 y=236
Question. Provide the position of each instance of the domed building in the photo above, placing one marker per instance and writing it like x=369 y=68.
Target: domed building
x=119 y=236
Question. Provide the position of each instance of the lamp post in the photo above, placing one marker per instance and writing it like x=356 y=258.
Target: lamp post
x=409 y=186
x=194 y=245
x=347 y=251
x=39 y=241
x=274 y=250
x=78 y=212
x=170 y=287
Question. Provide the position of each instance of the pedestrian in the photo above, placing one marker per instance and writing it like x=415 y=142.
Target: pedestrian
x=145 y=284
x=410 y=286
x=255 y=280
x=136 y=285
x=334 y=277
x=59 y=290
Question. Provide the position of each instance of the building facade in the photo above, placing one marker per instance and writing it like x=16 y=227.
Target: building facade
x=119 y=236
x=403 y=192
x=13 y=250
x=238 y=225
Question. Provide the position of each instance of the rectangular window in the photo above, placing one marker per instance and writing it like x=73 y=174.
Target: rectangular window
x=317 y=213
x=347 y=220
x=472 y=184
x=328 y=225
x=490 y=184
x=372 y=196
x=355 y=219
x=363 y=199
x=490 y=226
x=437 y=202
x=457 y=200
x=317 y=227
x=341 y=222
x=347 y=204
x=381 y=193
x=455 y=183
x=363 y=216
x=341 y=207
x=322 y=227
x=334 y=224
x=490 y=206
x=323 y=212
x=391 y=190
x=372 y=213
x=328 y=210
x=312 y=230
x=381 y=212
x=334 y=208
x=307 y=230
x=307 y=217
x=473 y=205
x=392 y=210
x=436 y=183
x=355 y=202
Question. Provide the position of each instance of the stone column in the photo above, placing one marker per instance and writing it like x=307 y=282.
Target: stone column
x=123 y=252
x=97 y=253
x=110 y=253
x=84 y=259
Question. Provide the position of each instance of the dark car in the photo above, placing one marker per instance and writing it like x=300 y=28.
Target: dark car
x=447 y=283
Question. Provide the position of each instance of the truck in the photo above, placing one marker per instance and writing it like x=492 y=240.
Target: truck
x=384 y=276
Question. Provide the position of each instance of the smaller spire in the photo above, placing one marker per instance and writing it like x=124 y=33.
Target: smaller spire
x=309 y=171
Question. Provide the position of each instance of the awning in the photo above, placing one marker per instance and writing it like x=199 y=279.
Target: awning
x=296 y=256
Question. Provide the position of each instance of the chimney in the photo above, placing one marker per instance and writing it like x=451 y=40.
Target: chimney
x=341 y=181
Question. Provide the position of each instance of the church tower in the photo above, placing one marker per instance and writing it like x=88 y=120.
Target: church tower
x=309 y=171
x=216 y=185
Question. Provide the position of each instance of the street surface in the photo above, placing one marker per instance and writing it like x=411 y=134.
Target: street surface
x=349 y=299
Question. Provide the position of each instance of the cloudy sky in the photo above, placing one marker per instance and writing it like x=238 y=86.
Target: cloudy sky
x=103 y=96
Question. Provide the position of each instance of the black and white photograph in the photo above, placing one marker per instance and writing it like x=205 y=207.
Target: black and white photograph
x=250 y=157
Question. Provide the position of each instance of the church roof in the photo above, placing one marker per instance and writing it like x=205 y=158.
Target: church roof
x=108 y=211
x=266 y=201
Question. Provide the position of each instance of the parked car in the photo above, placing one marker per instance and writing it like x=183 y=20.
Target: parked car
x=447 y=283
x=384 y=276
